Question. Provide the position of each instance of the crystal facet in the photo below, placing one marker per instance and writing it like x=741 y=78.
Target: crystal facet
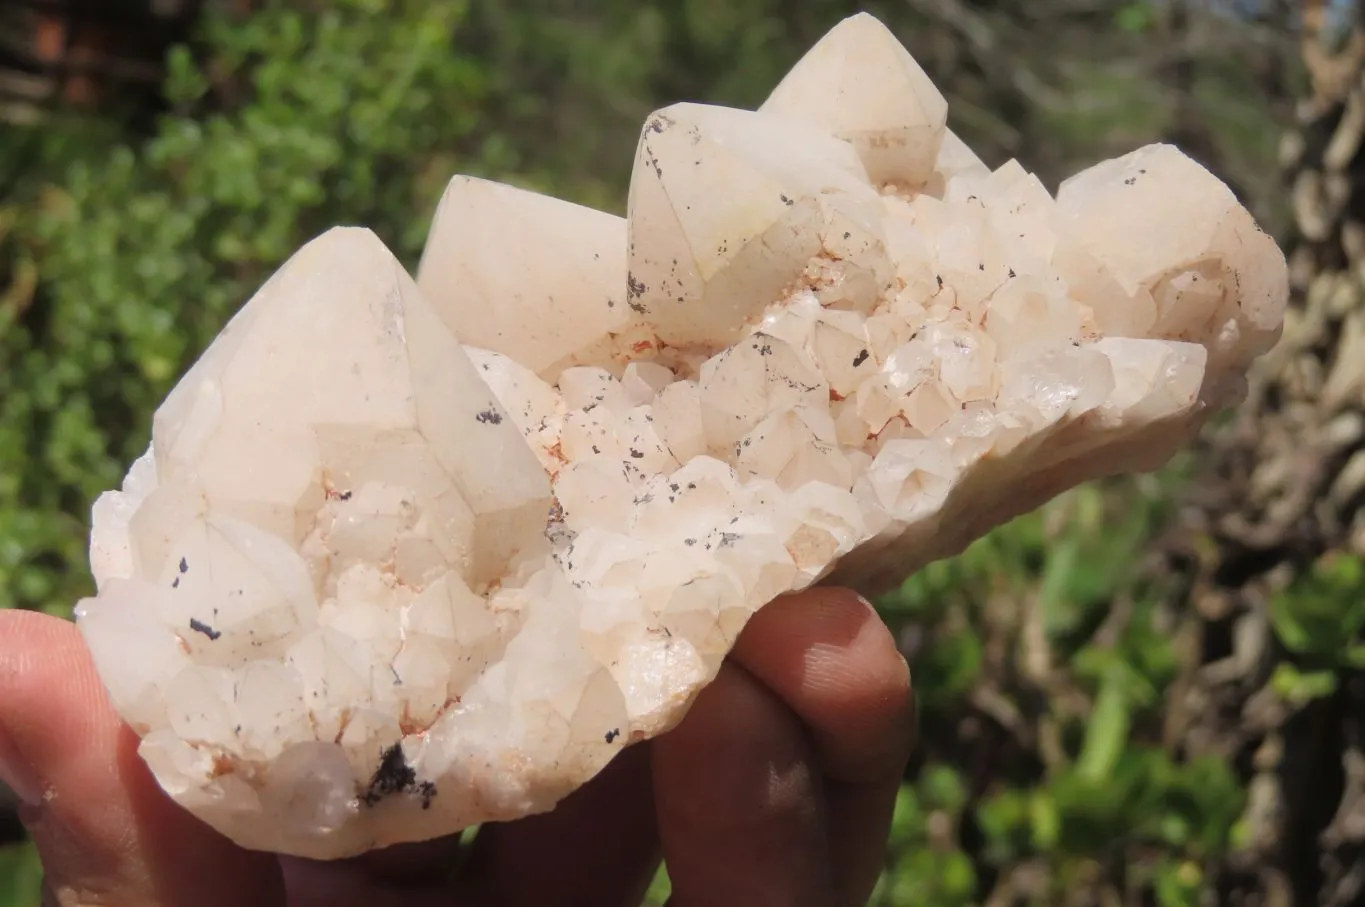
x=859 y=84
x=407 y=556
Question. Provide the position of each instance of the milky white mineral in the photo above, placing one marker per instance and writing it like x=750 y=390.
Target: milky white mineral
x=410 y=555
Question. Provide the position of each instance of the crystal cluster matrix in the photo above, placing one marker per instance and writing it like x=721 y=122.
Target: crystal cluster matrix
x=407 y=555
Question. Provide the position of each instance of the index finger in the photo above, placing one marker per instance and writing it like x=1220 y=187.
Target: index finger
x=830 y=658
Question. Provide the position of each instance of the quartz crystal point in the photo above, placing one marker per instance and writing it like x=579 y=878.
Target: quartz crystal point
x=569 y=309
x=406 y=556
x=859 y=84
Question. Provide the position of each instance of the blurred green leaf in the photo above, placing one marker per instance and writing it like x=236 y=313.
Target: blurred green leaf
x=1299 y=687
x=1321 y=615
x=1179 y=884
x=21 y=876
x=941 y=787
x=1136 y=17
x=1106 y=733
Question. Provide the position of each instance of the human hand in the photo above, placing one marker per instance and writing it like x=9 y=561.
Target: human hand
x=777 y=789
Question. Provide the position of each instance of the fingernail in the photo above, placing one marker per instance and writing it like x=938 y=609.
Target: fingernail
x=17 y=774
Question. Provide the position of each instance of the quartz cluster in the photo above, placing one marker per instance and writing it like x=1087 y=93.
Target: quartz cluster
x=407 y=555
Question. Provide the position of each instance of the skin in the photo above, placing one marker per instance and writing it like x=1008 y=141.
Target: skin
x=777 y=789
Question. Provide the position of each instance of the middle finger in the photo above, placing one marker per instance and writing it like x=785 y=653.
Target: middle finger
x=741 y=804
x=598 y=848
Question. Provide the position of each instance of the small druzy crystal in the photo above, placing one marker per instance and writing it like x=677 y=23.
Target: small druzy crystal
x=407 y=555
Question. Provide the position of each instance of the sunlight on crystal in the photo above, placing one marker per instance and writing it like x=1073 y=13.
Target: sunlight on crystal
x=411 y=554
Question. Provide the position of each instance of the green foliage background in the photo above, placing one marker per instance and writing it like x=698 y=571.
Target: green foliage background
x=1044 y=656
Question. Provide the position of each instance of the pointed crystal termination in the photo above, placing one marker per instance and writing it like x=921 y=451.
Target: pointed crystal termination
x=403 y=558
x=861 y=85
x=701 y=271
x=331 y=467
x=529 y=276
x=1214 y=276
x=368 y=358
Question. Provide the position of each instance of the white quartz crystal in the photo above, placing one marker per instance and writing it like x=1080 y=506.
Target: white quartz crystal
x=896 y=128
x=406 y=556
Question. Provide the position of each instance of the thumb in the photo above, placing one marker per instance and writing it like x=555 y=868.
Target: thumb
x=104 y=829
